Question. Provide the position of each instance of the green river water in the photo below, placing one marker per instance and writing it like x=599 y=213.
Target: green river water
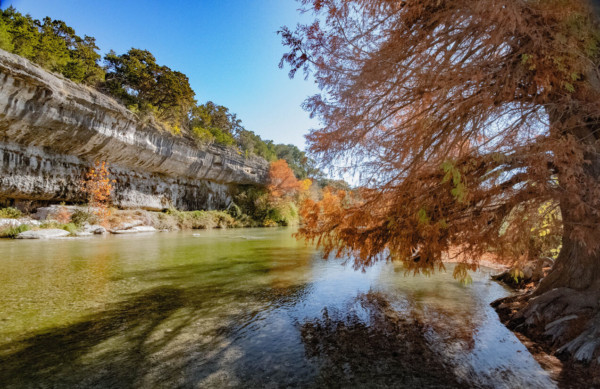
x=242 y=308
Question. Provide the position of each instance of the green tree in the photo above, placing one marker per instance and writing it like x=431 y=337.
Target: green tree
x=51 y=50
x=83 y=66
x=6 y=39
x=24 y=32
x=51 y=44
x=136 y=79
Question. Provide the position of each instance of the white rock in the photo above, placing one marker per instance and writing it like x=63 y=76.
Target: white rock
x=43 y=213
x=18 y=222
x=135 y=230
x=94 y=229
x=52 y=233
x=128 y=226
x=9 y=222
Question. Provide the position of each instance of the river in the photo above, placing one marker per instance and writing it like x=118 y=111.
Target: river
x=243 y=308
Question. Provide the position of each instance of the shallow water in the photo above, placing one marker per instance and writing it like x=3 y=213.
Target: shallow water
x=242 y=308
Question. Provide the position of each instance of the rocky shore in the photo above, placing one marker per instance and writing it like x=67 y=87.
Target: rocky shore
x=60 y=222
x=567 y=371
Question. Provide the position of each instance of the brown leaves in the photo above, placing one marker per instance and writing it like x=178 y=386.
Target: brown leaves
x=282 y=181
x=98 y=186
x=464 y=118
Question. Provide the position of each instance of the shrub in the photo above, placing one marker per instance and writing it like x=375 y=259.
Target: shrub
x=201 y=220
x=12 y=232
x=234 y=210
x=51 y=224
x=222 y=219
x=80 y=217
x=71 y=228
x=10 y=213
x=62 y=215
x=284 y=213
x=98 y=186
x=166 y=222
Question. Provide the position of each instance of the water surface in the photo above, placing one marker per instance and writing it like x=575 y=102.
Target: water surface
x=242 y=308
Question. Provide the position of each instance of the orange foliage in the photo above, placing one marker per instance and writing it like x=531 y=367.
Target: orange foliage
x=62 y=215
x=282 y=181
x=98 y=186
x=466 y=120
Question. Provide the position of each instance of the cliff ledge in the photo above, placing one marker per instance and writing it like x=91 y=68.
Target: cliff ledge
x=52 y=129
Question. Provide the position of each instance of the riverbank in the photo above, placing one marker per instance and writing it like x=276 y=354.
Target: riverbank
x=59 y=221
x=566 y=370
x=523 y=281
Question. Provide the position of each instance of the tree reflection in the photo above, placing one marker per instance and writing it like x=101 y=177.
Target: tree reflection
x=372 y=344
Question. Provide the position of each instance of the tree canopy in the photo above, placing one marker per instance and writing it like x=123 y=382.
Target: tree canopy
x=457 y=113
x=51 y=44
x=471 y=122
x=137 y=80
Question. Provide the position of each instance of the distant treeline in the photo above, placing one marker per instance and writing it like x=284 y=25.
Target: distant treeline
x=152 y=91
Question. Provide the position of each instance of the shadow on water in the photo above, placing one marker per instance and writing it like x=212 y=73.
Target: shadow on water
x=165 y=336
x=56 y=357
x=378 y=347
x=130 y=343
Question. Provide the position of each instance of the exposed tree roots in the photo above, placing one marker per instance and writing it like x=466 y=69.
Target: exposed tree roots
x=566 y=322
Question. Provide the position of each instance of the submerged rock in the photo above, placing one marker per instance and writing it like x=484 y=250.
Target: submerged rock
x=52 y=233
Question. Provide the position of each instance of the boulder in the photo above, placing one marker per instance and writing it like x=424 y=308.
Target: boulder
x=94 y=229
x=52 y=233
x=18 y=222
x=9 y=223
x=135 y=230
x=127 y=226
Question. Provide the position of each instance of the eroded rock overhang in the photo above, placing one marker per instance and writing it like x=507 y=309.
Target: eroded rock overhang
x=52 y=129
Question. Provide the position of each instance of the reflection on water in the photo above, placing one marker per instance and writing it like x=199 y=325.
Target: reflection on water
x=245 y=308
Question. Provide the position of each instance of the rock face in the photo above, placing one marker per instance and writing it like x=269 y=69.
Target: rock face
x=52 y=129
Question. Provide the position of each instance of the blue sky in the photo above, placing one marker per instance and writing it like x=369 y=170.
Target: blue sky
x=229 y=49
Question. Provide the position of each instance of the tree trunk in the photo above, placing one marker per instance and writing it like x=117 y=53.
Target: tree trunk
x=565 y=307
x=577 y=267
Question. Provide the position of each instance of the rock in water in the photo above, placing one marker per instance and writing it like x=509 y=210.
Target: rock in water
x=52 y=233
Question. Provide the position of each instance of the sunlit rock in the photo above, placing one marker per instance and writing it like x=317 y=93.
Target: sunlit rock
x=52 y=130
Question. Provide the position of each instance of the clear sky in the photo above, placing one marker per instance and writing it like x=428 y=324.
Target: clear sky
x=229 y=49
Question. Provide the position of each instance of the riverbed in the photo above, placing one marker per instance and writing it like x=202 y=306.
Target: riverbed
x=243 y=308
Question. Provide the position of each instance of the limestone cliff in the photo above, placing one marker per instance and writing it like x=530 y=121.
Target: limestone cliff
x=52 y=129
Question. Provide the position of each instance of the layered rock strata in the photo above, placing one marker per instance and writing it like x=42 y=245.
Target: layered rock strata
x=52 y=129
